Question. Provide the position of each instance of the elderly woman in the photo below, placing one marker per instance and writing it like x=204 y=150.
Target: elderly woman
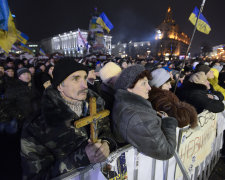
x=164 y=100
x=136 y=122
x=196 y=92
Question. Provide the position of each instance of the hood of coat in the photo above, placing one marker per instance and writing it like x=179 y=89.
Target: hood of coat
x=215 y=72
x=57 y=112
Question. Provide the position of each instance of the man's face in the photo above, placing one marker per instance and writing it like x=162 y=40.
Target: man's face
x=10 y=64
x=32 y=70
x=42 y=67
x=210 y=75
x=25 y=77
x=1 y=71
x=10 y=73
x=141 y=88
x=74 y=87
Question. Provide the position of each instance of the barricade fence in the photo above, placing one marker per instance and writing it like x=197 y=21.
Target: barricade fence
x=198 y=150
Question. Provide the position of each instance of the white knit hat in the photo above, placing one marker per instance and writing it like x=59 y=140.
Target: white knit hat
x=110 y=70
x=159 y=77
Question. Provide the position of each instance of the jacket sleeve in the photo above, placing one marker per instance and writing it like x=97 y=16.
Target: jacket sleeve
x=211 y=105
x=39 y=163
x=150 y=138
x=105 y=133
x=216 y=86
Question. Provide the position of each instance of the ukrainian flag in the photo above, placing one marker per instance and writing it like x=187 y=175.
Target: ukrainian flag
x=203 y=25
x=23 y=38
x=41 y=51
x=4 y=15
x=8 y=34
x=26 y=48
x=104 y=22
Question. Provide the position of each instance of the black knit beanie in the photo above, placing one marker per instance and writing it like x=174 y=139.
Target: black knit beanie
x=64 y=68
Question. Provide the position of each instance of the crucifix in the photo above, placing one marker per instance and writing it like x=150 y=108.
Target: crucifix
x=92 y=119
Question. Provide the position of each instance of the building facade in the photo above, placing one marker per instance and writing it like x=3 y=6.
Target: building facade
x=67 y=44
x=169 y=41
x=132 y=49
x=218 y=52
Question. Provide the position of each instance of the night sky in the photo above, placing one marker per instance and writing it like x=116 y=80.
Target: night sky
x=132 y=20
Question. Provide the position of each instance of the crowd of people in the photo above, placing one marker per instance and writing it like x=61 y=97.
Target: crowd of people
x=147 y=99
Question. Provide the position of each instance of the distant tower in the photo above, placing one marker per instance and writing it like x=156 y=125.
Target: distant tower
x=169 y=16
x=170 y=42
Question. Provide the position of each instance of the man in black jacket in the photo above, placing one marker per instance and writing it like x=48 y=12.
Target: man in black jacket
x=50 y=144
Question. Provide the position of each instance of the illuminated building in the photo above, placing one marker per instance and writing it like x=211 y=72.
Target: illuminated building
x=169 y=41
x=132 y=49
x=67 y=44
x=218 y=52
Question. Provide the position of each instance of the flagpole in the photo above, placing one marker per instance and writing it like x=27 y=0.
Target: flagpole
x=192 y=37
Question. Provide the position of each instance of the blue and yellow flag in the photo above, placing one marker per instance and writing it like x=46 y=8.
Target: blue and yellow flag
x=104 y=22
x=7 y=27
x=203 y=25
x=4 y=15
x=25 y=48
x=23 y=38
x=41 y=51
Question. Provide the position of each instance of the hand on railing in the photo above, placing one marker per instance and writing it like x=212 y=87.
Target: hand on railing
x=97 y=152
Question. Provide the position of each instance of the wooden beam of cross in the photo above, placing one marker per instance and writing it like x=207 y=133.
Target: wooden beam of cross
x=92 y=119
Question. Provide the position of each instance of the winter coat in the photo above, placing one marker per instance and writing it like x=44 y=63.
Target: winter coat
x=222 y=80
x=196 y=95
x=215 y=82
x=135 y=122
x=23 y=98
x=51 y=145
x=164 y=100
x=107 y=93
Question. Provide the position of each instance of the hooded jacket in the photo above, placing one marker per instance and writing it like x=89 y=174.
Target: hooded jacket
x=135 y=122
x=215 y=81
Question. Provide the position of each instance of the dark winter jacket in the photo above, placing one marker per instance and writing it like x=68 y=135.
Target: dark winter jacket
x=107 y=93
x=197 y=95
x=51 y=145
x=22 y=97
x=164 y=100
x=137 y=123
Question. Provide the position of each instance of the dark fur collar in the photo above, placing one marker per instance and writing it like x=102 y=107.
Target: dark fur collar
x=56 y=112
x=193 y=86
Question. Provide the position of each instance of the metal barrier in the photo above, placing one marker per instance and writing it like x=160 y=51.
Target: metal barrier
x=141 y=167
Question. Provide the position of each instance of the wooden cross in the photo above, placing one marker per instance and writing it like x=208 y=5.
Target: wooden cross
x=92 y=119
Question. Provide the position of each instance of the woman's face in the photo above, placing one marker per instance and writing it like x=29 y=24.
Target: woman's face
x=166 y=86
x=141 y=88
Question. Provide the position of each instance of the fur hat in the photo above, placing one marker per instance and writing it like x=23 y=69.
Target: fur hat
x=64 y=68
x=21 y=71
x=198 y=78
x=128 y=76
x=159 y=77
x=110 y=70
